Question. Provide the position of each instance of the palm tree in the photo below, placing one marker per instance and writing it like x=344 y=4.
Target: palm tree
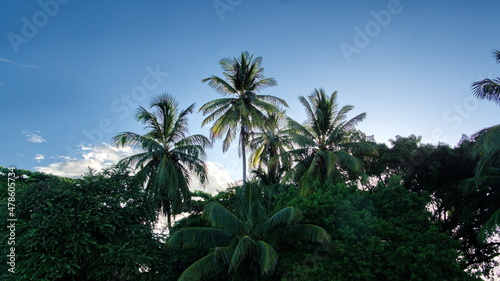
x=323 y=151
x=242 y=109
x=169 y=156
x=248 y=236
x=487 y=150
x=269 y=145
x=488 y=88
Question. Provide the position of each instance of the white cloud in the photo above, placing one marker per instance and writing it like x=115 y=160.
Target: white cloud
x=96 y=157
x=83 y=147
x=34 y=137
x=39 y=157
x=218 y=178
x=63 y=157
x=104 y=156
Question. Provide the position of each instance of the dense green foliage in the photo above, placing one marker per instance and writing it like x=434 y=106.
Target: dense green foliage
x=325 y=201
x=250 y=236
x=383 y=234
x=94 y=228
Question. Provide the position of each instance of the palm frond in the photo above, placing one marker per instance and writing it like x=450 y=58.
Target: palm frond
x=194 y=237
x=268 y=258
x=487 y=89
x=222 y=218
x=490 y=227
x=496 y=55
x=245 y=247
x=201 y=269
x=220 y=85
x=283 y=217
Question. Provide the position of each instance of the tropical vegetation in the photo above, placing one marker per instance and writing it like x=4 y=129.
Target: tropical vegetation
x=168 y=156
x=323 y=201
x=242 y=109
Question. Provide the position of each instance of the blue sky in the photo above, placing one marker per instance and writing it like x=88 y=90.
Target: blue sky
x=72 y=73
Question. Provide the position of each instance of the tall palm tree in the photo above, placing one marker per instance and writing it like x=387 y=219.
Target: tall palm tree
x=247 y=236
x=269 y=145
x=168 y=155
x=323 y=151
x=488 y=88
x=242 y=109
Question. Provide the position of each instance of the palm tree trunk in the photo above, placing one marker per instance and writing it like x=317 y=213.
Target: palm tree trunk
x=169 y=220
x=243 y=137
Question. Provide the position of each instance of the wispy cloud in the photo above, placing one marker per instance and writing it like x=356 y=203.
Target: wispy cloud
x=33 y=137
x=19 y=64
x=6 y=60
x=29 y=66
x=39 y=157
x=63 y=157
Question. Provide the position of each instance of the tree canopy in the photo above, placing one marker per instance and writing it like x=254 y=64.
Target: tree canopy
x=324 y=202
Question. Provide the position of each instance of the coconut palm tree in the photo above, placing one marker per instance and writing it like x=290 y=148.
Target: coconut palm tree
x=488 y=88
x=242 y=109
x=247 y=236
x=269 y=145
x=323 y=152
x=168 y=155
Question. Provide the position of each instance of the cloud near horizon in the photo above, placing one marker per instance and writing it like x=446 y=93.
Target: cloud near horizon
x=98 y=157
x=104 y=156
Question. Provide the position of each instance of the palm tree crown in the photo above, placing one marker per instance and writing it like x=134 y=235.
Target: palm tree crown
x=168 y=156
x=269 y=146
x=242 y=109
x=488 y=88
x=246 y=236
x=323 y=150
